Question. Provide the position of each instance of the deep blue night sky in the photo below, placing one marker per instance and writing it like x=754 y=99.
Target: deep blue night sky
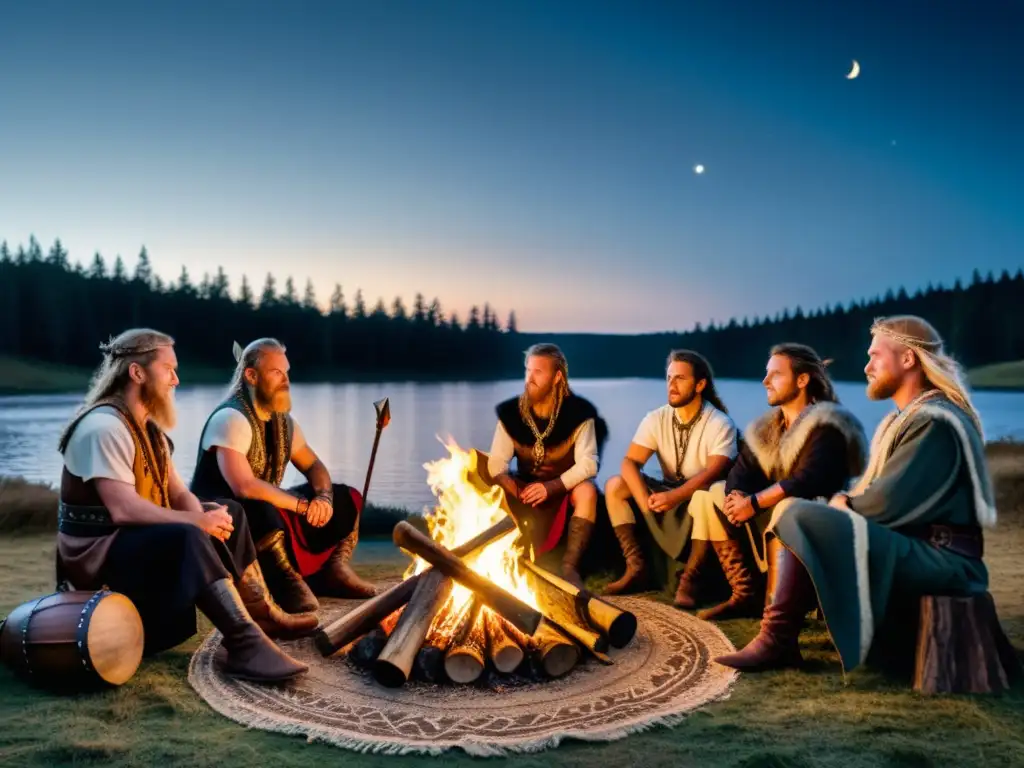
x=536 y=155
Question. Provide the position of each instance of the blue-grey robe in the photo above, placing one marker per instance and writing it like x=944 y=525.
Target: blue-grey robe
x=927 y=467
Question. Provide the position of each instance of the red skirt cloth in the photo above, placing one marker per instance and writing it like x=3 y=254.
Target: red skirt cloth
x=306 y=543
x=557 y=527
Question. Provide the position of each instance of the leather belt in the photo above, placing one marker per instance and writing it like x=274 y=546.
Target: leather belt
x=80 y=520
x=963 y=540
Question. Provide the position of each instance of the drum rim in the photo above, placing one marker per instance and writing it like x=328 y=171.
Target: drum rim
x=82 y=635
x=24 y=633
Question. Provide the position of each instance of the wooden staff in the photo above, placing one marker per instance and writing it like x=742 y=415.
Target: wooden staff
x=367 y=615
x=392 y=667
x=464 y=661
x=511 y=608
x=617 y=624
x=502 y=649
x=383 y=410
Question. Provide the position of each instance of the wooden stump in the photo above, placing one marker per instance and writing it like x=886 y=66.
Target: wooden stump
x=961 y=648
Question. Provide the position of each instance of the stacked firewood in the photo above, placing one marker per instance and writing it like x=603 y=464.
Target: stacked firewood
x=404 y=633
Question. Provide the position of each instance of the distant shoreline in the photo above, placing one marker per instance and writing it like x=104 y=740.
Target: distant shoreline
x=19 y=376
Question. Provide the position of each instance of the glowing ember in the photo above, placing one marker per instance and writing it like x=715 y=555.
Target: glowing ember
x=461 y=513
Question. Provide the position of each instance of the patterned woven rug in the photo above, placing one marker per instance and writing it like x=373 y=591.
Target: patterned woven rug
x=665 y=673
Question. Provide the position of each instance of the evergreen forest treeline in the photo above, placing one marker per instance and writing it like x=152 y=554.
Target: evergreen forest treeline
x=55 y=311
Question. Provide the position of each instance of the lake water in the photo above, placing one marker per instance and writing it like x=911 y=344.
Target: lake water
x=338 y=420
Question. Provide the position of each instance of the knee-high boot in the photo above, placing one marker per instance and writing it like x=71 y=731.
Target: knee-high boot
x=635 y=565
x=266 y=612
x=743 y=602
x=338 y=579
x=251 y=655
x=687 y=591
x=286 y=584
x=580 y=531
x=777 y=644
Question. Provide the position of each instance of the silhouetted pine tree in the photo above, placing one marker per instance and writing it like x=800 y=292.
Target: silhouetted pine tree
x=54 y=311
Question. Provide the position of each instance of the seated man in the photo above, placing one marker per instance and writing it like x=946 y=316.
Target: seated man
x=695 y=440
x=244 y=449
x=912 y=523
x=127 y=521
x=555 y=436
x=807 y=446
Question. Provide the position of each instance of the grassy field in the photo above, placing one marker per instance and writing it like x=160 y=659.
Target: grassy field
x=999 y=376
x=19 y=376
x=791 y=718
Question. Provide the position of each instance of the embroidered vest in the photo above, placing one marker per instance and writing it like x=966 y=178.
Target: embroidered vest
x=269 y=451
x=559 y=445
x=81 y=512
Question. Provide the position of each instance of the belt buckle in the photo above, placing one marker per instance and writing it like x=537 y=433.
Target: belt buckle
x=942 y=536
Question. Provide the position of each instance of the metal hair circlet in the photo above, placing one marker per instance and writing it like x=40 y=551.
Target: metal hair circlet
x=906 y=340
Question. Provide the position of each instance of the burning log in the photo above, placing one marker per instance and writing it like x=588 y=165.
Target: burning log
x=366 y=649
x=511 y=608
x=344 y=630
x=429 y=664
x=395 y=661
x=618 y=625
x=552 y=652
x=464 y=661
x=504 y=652
x=559 y=608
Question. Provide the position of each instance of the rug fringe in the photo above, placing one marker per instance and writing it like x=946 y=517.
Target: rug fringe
x=201 y=664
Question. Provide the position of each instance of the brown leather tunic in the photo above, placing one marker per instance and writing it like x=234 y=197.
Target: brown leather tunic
x=81 y=557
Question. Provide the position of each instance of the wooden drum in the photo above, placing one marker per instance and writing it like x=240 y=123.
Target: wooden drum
x=74 y=640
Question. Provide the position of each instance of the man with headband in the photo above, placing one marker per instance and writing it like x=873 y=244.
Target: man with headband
x=127 y=521
x=555 y=436
x=911 y=525
x=305 y=533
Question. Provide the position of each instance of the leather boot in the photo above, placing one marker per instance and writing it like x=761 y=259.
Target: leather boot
x=635 y=565
x=267 y=613
x=686 y=591
x=338 y=579
x=250 y=654
x=580 y=531
x=777 y=644
x=286 y=584
x=771 y=554
x=743 y=602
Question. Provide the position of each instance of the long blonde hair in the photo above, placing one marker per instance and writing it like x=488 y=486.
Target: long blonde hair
x=250 y=358
x=940 y=369
x=136 y=345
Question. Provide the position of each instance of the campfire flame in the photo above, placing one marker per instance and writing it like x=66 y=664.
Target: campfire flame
x=461 y=513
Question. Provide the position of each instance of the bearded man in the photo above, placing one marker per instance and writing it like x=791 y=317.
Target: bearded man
x=807 y=446
x=127 y=521
x=307 y=532
x=555 y=436
x=913 y=522
x=695 y=441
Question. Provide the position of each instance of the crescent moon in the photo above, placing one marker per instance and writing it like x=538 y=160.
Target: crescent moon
x=855 y=71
